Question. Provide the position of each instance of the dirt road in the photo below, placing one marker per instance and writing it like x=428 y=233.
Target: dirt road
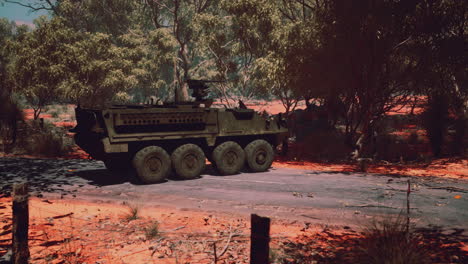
x=327 y=198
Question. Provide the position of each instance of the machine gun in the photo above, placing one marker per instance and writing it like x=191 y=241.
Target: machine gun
x=199 y=88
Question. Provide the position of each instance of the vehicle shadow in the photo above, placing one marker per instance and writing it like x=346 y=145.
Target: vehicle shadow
x=104 y=177
x=65 y=176
x=42 y=175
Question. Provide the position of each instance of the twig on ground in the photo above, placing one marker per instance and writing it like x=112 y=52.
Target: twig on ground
x=231 y=235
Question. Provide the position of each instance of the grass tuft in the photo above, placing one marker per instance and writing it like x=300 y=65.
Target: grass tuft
x=152 y=230
x=133 y=213
x=388 y=241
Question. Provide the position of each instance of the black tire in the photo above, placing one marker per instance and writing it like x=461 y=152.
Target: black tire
x=152 y=164
x=188 y=161
x=259 y=154
x=229 y=158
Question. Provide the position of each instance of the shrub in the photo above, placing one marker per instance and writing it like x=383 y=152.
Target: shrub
x=132 y=213
x=393 y=147
x=10 y=114
x=48 y=143
x=152 y=230
x=388 y=241
x=321 y=144
x=55 y=114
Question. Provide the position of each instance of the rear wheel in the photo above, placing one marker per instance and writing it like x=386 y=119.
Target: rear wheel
x=259 y=154
x=229 y=158
x=188 y=161
x=152 y=164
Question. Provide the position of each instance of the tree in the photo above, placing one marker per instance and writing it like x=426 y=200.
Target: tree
x=40 y=63
x=10 y=33
x=151 y=54
x=98 y=71
x=55 y=61
x=441 y=45
x=10 y=112
x=363 y=62
x=178 y=16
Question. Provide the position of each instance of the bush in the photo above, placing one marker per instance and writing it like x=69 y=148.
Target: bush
x=10 y=114
x=394 y=147
x=389 y=241
x=47 y=142
x=132 y=214
x=152 y=230
x=321 y=144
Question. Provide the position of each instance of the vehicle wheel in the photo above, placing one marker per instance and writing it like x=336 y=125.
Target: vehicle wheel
x=259 y=154
x=152 y=164
x=188 y=161
x=229 y=158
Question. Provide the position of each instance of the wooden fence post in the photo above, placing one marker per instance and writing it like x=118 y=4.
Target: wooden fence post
x=20 y=223
x=259 y=239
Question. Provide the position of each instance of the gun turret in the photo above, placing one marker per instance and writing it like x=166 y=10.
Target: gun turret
x=199 y=88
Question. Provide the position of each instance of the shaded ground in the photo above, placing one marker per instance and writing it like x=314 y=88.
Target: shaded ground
x=334 y=198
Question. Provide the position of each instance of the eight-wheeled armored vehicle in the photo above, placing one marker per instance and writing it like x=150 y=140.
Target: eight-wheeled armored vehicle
x=154 y=139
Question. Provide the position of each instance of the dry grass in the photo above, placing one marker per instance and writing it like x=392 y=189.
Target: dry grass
x=389 y=242
x=132 y=213
x=152 y=230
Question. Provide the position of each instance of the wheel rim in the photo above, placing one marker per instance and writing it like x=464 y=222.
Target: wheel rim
x=261 y=156
x=231 y=158
x=154 y=164
x=190 y=161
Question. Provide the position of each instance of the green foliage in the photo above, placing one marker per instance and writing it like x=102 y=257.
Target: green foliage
x=10 y=33
x=150 y=53
x=41 y=64
x=112 y=17
x=55 y=61
x=100 y=70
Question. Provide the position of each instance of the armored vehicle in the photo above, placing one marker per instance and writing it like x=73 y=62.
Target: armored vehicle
x=153 y=140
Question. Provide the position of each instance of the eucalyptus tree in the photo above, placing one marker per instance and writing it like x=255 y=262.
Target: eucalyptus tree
x=55 y=61
x=40 y=64
x=10 y=112
x=442 y=47
x=179 y=16
x=10 y=34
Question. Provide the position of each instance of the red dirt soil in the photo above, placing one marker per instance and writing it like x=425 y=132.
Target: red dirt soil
x=71 y=231
x=444 y=168
x=79 y=232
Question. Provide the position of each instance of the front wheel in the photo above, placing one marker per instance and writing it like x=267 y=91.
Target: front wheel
x=152 y=164
x=260 y=155
x=229 y=158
